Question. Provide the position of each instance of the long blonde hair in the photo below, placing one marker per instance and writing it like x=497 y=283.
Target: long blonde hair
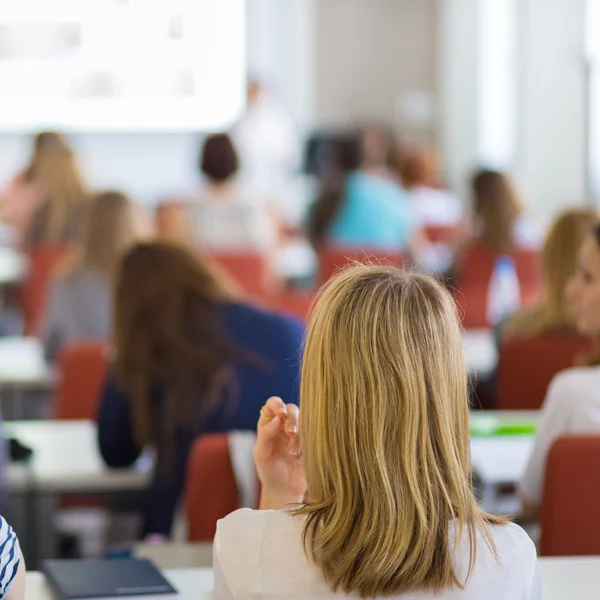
x=559 y=261
x=56 y=173
x=385 y=432
x=111 y=229
x=496 y=206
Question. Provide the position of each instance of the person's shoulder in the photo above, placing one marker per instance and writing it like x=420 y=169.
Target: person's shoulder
x=10 y=557
x=512 y=541
x=267 y=320
x=575 y=382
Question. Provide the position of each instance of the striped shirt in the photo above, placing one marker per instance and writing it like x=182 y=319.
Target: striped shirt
x=10 y=558
x=233 y=224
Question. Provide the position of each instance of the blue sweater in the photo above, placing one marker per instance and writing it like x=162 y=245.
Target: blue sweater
x=275 y=338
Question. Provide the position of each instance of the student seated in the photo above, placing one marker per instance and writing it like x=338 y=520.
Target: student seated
x=80 y=297
x=190 y=358
x=12 y=565
x=552 y=313
x=228 y=216
x=367 y=491
x=572 y=404
x=360 y=205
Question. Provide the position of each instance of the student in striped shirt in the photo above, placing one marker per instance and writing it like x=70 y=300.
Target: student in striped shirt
x=12 y=565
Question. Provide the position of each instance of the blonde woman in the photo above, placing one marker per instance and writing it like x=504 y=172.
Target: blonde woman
x=80 y=297
x=61 y=208
x=367 y=493
x=552 y=314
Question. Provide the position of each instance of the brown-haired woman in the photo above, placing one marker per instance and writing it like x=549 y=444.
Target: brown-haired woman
x=190 y=358
x=60 y=213
x=552 y=313
x=21 y=196
x=499 y=222
x=369 y=491
x=572 y=403
x=80 y=298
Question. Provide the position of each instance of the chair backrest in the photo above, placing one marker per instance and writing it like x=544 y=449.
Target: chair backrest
x=334 y=258
x=527 y=365
x=439 y=234
x=570 y=517
x=83 y=368
x=474 y=279
x=43 y=261
x=251 y=270
x=211 y=491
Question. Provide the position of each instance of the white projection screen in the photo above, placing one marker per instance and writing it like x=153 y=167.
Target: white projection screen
x=121 y=65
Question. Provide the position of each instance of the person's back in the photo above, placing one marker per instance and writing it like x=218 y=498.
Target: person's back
x=366 y=491
x=191 y=358
x=79 y=308
x=229 y=221
x=375 y=214
x=79 y=301
x=276 y=537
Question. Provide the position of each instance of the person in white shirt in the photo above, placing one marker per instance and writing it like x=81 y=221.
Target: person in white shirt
x=572 y=404
x=267 y=140
x=367 y=492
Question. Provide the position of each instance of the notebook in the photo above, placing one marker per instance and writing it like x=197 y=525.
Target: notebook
x=106 y=579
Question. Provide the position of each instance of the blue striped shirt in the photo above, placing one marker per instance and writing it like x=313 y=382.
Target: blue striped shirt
x=10 y=558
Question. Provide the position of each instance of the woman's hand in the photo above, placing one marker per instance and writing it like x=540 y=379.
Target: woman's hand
x=278 y=455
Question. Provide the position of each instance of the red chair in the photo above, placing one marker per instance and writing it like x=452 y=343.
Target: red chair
x=439 y=234
x=527 y=365
x=474 y=279
x=83 y=368
x=250 y=270
x=570 y=519
x=42 y=263
x=332 y=259
x=293 y=302
x=211 y=490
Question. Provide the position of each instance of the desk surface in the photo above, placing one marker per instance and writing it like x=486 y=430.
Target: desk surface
x=66 y=459
x=22 y=363
x=577 y=578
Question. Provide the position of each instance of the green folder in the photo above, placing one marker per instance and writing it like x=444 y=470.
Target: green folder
x=496 y=427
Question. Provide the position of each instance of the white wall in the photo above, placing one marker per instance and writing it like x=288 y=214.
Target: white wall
x=371 y=53
x=550 y=164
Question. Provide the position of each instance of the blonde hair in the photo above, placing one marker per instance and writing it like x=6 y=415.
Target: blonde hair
x=559 y=261
x=496 y=206
x=110 y=231
x=56 y=173
x=385 y=426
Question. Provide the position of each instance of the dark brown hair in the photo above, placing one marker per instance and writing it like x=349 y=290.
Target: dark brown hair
x=167 y=333
x=219 y=160
x=497 y=206
x=340 y=161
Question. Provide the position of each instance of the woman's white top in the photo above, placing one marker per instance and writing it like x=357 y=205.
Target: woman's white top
x=259 y=554
x=571 y=406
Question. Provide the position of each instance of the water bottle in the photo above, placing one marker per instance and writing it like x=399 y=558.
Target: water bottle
x=504 y=293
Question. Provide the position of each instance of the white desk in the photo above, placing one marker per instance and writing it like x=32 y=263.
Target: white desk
x=192 y=584
x=562 y=578
x=23 y=368
x=65 y=461
x=480 y=351
x=500 y=460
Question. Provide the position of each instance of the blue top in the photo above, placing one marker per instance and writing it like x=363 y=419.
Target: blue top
x=375 y=214
x=275 y=338
x=10 y=558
